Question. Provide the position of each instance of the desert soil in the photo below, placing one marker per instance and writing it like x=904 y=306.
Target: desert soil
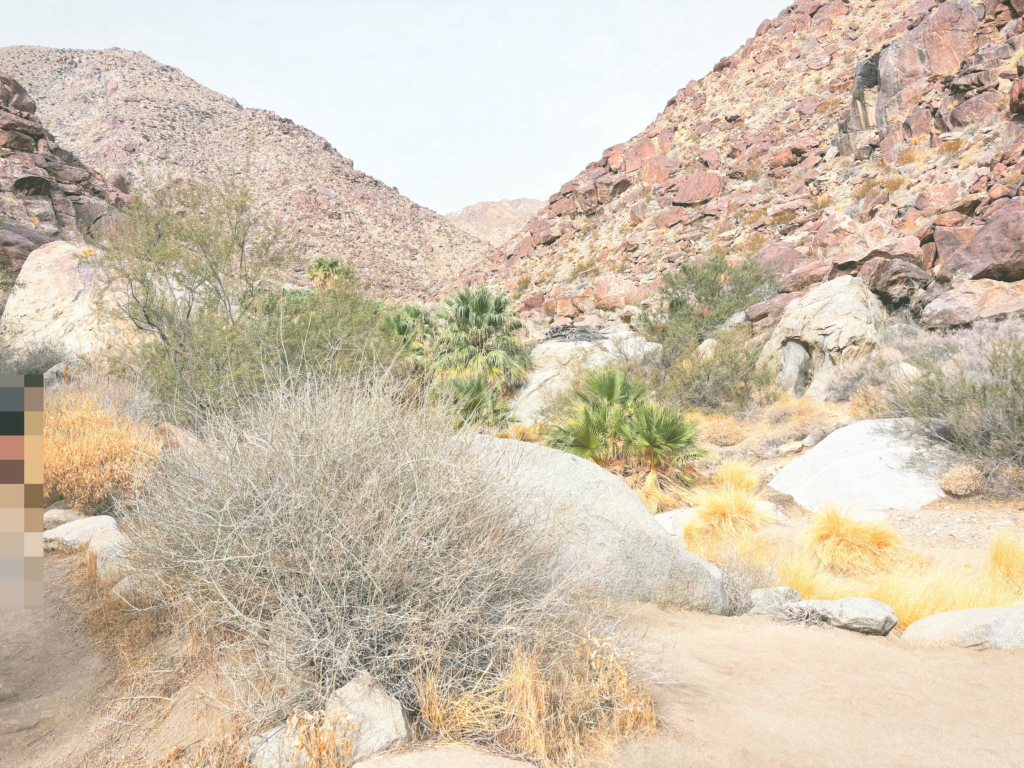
x=54 y=679
x=741 y=691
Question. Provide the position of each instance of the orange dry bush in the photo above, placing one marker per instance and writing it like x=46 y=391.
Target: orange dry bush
x=92 y=454
x=559 y=714
x=723 y=515
x=842 y=543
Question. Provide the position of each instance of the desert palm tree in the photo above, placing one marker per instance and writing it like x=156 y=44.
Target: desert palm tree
x=585 y=433
x=479 y=338
x=661 y=437
x=416 y=327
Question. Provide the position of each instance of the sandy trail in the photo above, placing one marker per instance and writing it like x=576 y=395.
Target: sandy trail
x=52 y=676
x=747 y=691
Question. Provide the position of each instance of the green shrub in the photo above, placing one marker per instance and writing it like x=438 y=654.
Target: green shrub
x=195 y=274
x=972 y=400
x=32 y=360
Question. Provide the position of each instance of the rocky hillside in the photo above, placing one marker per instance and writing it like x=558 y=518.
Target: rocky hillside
x=495 y=223
x=139 y=121
x=44 y=190
x=876 y=138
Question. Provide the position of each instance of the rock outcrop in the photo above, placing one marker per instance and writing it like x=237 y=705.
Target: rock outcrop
x=835 y=323
x=869 y=138
x=44 y=190
x=139 y=122
x=603 y=532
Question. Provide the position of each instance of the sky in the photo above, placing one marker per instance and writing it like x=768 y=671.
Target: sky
x=451 y=101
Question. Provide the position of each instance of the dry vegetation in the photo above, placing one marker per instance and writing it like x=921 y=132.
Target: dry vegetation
x=93 y=449
x=342 y=528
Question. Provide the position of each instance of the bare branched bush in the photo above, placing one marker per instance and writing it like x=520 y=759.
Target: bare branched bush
x=338 y=528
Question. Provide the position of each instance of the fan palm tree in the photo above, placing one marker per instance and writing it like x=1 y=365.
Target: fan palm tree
x=479 y=338
x=585 y=433
x=416 y=327
x=661 y=437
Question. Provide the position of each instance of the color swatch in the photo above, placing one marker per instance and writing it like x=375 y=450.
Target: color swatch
x=21 y=491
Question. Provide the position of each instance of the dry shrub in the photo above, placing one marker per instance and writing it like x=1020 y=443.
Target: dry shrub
x=224 y=750
x=842 y=543
x=722 y=515
x=1006 y=561
x=721 y=431
x=335 y=529
x=323 y=739
x=962 y=480
x=92 y=451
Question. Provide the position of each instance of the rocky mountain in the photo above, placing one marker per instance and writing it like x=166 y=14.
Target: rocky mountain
x=495 y=223
x=139 y=122
x=44 y=190
x=875 y=138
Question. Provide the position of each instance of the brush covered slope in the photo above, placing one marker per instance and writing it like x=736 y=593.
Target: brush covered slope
x=44 y=190
x=878 y=138
x=134 y=118
x=495 y=223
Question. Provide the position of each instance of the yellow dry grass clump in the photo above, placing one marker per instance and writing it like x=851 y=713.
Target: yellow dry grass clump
x=560 y=715
x=91 y=454
x=657 y=491
x=721 y=431
x=1006 y=562
x=725 y=512
x=841 y=542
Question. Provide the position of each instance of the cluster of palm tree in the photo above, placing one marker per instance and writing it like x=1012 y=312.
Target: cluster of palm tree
x=470 y=348
x=613 y=422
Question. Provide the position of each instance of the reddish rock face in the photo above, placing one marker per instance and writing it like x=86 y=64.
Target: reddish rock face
x=1017 y=96
x=996 y=251
x=698 y=188
x=772 y=308
x=974 y=300
x=976 y=109
x=948 y=240
x=782 y=258
x=658 y=170
x=805 y=276
x=938 y=198
x=675 y=215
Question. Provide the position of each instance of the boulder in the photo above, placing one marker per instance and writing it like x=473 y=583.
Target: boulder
x=64 y=371
x=857 y=614
x=602 y=530
x=557 y=363
x=833 y=323
x=862 y=466
x=136 y=591
x=379 y=721
x=698 y=188
x=55 y=301
x=58 y=515
x=274 y=749
x=674 y=521
x=772 y=602
x=78 y=533
x=979 y=628
x=108 y=555
x=974 y=300
x=995 y=251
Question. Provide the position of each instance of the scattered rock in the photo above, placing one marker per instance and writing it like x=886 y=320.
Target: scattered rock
x=78 y=533
x=108 y=554
x=771 y=602
x=860 y=467
x=58 y=515
x=974 y=300
x=857 y=614
x=979 y=628
x=603 y=530
x=379 y=720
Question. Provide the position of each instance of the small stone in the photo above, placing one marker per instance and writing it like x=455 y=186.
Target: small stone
x=857 y=614
x=378 y=717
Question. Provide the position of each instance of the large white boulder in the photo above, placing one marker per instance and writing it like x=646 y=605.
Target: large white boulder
x=602 y=529
x=979 y=628
x=556 y=364
x=55 y=302
x=860 y=467
x=833 y=324
x=108 y=554
x=78 y=533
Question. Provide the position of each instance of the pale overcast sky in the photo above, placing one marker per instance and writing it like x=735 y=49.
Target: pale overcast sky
x=451 y=101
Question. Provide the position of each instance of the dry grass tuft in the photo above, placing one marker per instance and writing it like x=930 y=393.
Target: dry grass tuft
x=736 y=474
x=721 y=431
x=962 y=480
x=842 y=543
x=321 y=739
x=1006 y=562
x=722 y=515
x=91 y=453
x=656 y=490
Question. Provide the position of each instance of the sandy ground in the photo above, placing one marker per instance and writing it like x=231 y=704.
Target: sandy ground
x=53 y=679
x=736 y=692
x=747 y=691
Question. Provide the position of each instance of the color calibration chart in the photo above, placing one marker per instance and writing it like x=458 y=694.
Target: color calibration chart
x=21 y=491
